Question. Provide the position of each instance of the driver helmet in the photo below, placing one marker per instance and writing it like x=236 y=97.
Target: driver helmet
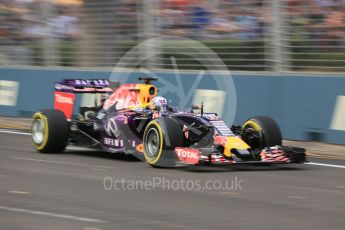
x=160 y=103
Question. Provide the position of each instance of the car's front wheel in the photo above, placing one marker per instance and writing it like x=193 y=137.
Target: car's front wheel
x=161 y=136
x=49 y=131
x=260 y=132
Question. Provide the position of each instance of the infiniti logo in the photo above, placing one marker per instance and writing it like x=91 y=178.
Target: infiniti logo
x=111 y=128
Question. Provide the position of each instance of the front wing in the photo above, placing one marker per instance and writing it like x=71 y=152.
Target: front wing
x=271 y=155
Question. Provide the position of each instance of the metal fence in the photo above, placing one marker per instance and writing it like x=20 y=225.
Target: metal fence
x=249 y=35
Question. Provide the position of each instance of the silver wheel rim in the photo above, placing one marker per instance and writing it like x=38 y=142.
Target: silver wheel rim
x=152 y=142
x=38 y=129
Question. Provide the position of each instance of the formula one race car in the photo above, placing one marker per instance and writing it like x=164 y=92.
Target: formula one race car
x=132 y=119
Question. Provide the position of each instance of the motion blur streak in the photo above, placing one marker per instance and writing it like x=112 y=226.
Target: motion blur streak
x=48 y=214
x=268 y=194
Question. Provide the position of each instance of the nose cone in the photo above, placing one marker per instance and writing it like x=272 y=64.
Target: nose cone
x=235 y=143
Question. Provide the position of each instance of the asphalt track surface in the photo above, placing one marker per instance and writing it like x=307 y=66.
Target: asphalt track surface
x=67 y=191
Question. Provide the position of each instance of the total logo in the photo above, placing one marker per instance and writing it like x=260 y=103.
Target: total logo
x=188 y=155
x=64 y=100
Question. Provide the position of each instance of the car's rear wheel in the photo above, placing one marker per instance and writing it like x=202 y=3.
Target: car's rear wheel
x=161 y=136
x=260 y=132
x=49 y=131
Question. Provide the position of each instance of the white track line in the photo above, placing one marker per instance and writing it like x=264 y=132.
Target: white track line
x=77 y=148
x=29 y=134
x=14 y=132
x=19 y=192
x=49 y=161
x=50 y=214
x=326 y=165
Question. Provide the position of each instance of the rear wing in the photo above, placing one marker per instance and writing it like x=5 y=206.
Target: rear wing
x=83 y=86
x=64 y=93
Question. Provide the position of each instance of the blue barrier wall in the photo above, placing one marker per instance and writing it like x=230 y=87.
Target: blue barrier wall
x=302 y=105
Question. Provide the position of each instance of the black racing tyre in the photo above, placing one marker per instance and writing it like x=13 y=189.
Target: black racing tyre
x=49 y=131
x=161 y=136
x=260 y=132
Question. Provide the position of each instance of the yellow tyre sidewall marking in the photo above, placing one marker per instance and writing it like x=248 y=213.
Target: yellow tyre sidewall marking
x=46 y=132
x=253 y=124
x=159 y=129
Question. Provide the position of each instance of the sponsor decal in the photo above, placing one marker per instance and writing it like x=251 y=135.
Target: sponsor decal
x=187 y=155
x=83 y=82
x=111 y=129
x=95 y=82
x=100 y=82
x=63 y=99
x=113 y=142
x=64 y=102
x=9 y=93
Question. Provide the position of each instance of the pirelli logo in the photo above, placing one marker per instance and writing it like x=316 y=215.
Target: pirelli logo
x=8 y=92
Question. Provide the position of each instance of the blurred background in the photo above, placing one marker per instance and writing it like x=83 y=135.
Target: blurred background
x=286 y=57
x=250 y=35
x=287 y=61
